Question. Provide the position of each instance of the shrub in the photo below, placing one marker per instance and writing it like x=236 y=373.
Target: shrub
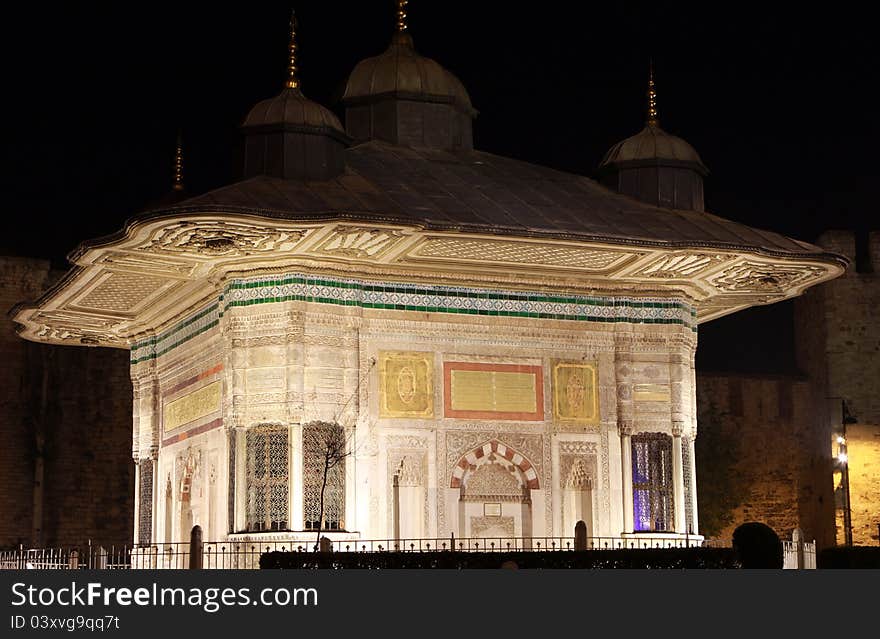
x=850 y=557
x=674 y=558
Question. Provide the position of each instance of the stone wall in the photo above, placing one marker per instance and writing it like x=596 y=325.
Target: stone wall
x=839 y=320
x=67 y=409
x=19 y=278
x=863 y=451
x=763 y=455
x=838 y=344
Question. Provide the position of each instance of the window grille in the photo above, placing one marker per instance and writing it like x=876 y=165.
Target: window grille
x=688 y=487
x=652 y=482
x=324 y=446
x=267 y=473
x=145 y=502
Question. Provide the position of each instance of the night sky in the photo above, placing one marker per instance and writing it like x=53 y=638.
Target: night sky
x=779 y=101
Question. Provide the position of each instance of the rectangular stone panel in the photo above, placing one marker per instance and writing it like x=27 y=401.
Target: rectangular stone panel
x=475 y=390
x=406 y=384
x=195 y=405
x=651 y=392
x=575 y=392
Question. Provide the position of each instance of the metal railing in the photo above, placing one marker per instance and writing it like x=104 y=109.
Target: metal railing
x=246 y=555
x=793 y=559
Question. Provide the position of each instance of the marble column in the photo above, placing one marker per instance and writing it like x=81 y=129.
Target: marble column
x=678 y=478
x=625 y=430
x=694 y=526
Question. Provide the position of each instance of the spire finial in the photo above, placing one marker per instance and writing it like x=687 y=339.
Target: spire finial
x=292 y=79
x=178 y=165
x=401 y=16
x=652 y=97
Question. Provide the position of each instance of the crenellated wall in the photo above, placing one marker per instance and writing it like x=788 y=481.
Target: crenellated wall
x=763 y=455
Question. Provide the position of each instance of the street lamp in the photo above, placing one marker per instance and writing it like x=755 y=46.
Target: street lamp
x=843 y=464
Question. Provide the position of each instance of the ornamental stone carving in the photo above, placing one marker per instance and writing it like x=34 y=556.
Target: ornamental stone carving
x=488 y=527
x=577 y=448
x=358 y=242
x=410 y=472
x=765 y=278
x=681 y=265
x=577 y=472
x=495 y=480
x=523 y=253
x=221 y=239
x=460 y=442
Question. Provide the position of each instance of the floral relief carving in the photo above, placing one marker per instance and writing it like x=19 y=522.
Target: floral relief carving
x=681 y=265
x=358 y=242
x=219 y=239
x=765 y=278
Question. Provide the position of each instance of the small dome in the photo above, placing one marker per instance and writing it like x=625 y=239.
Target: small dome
x=653 y=144
x=292 y=107
x=402 y=71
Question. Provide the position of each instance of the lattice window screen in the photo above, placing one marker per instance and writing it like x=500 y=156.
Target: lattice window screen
x=688 y=487
x=145 y=502
x=316 y=438
x=652 y=482
x=267 y=477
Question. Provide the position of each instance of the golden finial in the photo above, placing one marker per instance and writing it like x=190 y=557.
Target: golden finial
x=401 y=16
x=292 y=79
x=178 y=166
x=652 y=98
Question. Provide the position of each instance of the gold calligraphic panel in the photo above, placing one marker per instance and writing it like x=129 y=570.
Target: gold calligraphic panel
x=493 y=391
x=191 y=407
x=406 y=384
x=575 y=392
x=651 y=392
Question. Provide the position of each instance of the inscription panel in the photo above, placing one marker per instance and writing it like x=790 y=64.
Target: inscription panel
x=193 y=406
x=474 y=390
x=651 y=392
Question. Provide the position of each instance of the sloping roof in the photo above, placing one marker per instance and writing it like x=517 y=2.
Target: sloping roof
x=475 y=191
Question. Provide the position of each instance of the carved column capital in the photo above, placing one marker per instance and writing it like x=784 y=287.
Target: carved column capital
x=625 y=427
x=677 y=428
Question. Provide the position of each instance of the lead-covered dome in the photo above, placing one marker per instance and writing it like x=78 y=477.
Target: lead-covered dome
x=292 y=137
x=407 y=99
x=653 y=144
x=401 y=71
x=654 y=166
x=291 y=107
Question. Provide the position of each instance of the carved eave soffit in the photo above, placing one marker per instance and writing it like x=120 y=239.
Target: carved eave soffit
x=128 y=289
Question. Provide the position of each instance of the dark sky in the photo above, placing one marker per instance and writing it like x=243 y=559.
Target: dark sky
x=780 y=101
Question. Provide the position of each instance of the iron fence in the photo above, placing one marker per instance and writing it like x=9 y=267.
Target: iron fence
x=246 y=554
x=793 y=558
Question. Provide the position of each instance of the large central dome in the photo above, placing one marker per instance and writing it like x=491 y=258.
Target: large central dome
x=407 y=99
x=401 y=72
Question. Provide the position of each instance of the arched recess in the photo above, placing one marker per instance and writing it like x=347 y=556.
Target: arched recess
x=186 y=505
x=577 y=497
x=495 y=483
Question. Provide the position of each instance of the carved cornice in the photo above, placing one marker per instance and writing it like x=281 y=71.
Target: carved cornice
x=162 y=268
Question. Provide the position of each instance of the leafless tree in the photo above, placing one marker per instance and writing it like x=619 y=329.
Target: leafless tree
x=330 y=443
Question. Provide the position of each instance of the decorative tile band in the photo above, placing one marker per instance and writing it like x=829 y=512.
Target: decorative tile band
x=422 y=298
x=154 y=347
